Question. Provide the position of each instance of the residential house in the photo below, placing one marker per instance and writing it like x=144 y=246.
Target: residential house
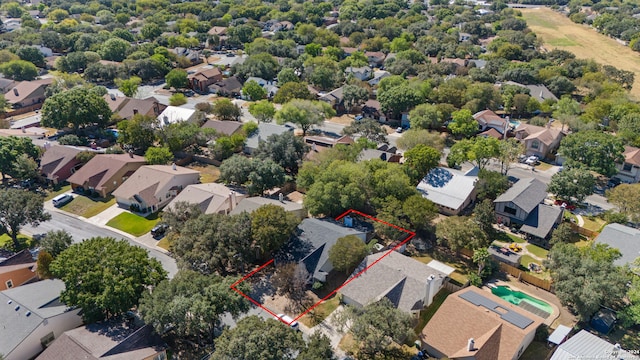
x=10 y=258
x=540 y=141
x=147 y=107
x=451 y=190
x=262 y=134
x=269 y=86
x=491 y=132
x=17 y=269
x=372 y=109
x=409 y=284
x=487 y=119
x=280 y=26
x=376 y=58
x=115 y=102
x=218 y=30
x=113 y=340
x=624 y=238
x=362 y=73
x=6 y=84
x=59 y=162
x=226 y=128
x=523 y=205
x=335 y=98
x=46 y=51
x=475 y=324
x=230 y=87
x=629 y=170
x=252 y=204
x=464 y=37
x=310 y=245
x=538 y=92
x=191 y=54
x=28 y=93
x=10 y=24
x=175 y=114
x=152 y=187
x=105 y=172
x=377 y=76
x=201 y=80
x=211 y=198
x=32 y=317
x=585 y=345
x=383 y=153
x=327 y=141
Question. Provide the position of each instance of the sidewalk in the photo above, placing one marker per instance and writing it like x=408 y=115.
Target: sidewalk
x=103 y=218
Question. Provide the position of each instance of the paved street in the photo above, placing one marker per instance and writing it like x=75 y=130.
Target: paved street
x=81 y=230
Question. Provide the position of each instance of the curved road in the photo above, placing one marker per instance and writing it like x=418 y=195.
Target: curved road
x=81 y=230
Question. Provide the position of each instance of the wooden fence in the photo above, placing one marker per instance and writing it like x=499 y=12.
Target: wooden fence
x=20 y=111
x=585 y=232
x=451 y=287
x=526 y=277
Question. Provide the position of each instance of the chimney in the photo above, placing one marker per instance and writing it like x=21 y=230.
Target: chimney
x=232 y=200
x=173 y=166
x=15 y=91
x=430 y=291
x=281 y=197
x=131 y=154
x=135 y=111
x=471 y=345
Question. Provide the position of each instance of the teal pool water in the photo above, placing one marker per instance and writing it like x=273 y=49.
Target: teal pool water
x=516 y=297
x=514 y=123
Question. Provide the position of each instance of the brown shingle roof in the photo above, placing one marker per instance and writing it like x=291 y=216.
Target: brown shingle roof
x=207 y=74
x=115 y=102
x=223 y=127
x=545 y=135
x=142 y=106
x=459 y=320
x=55 y=158
x=632 y=155
x=24 y=89
x=217 y=30
x=147 y=180
x=101 y=168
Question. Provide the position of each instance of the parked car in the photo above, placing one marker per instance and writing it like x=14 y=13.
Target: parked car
x=159 y=230
x=613 y=182
x=359 y=117
x=287 y=320
x=61 y=200
x=532 y=160
x=399 y=129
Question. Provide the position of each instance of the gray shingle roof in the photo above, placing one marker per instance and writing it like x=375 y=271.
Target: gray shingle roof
x=541 y=220
x=40 y=298
x=526 y=194
x=253 y=203
x=313 y=240
x=399 y=278
x=264 y=131
x=585 y=345
x=623 y=238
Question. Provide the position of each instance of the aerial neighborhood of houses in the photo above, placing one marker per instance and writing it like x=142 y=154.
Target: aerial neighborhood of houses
x=317 y=180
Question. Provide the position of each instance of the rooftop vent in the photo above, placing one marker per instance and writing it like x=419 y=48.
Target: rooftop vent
x=17 y=308
x=471 y=345
x=15 y=91
x=113 y=97
x=10 y=302
x=28 y=313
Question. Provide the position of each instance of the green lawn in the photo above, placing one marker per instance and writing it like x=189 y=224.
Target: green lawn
x=536 y=351
x=86 y=207
x=543 y=166
x=525 y=260
x=321 y=312
x=427 y=314
x=537 y=251
x=53 y=193
x=594 y=225
x=134 y=224
x=7 y=243
x=507 y=237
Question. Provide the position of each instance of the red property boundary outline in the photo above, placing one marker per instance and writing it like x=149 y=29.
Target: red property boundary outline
x=351 y=211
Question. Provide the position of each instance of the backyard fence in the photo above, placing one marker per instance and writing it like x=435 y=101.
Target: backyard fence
x=526 y=277
x=20 y=111
x=451 y=287
x=585 y=232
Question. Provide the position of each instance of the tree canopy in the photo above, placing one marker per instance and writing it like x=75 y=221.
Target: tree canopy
x=572 y=183
x=304 y=113
x=347 y=253
x=17 y=208
x=104 y=276
x=595 y=150
x=76 y=107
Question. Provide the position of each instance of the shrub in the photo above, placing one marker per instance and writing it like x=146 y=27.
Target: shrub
x=177 y=99
x=71 y=139
x=475 y=279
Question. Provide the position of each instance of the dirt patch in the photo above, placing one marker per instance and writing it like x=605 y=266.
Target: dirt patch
x=558 y=32
x=208 y=173
x=343 y=120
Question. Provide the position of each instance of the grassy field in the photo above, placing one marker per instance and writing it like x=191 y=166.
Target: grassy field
x=87 y=207
x=558 y=32
x=133 y=224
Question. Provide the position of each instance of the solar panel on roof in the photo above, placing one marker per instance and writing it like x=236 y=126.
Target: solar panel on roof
x=509 y=316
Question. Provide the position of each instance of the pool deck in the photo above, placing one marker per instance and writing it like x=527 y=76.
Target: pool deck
x=548 y=321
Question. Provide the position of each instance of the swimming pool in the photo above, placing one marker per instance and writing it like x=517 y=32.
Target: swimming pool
x=516 y=297
x=514 y=123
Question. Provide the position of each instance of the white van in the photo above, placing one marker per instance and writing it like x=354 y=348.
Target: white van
x=61 y=200
x=287 y=320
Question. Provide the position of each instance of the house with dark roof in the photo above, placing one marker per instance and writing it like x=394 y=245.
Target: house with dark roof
x=487 y=119
x=475 y=324
x=252 y=204
x=362 y=73
x=409 y=284
x=310 y=245
x=28 y=93
x=147 y=107
x=226 y=128
x=229 y=87
x=211 y=198
x=450 y=189
x=105 y=172
x=32 y=317
x=538 y=92
x=59 y=162
x=540 y=141
x=113 y=340
x=204 y=78
x=629 y=170
x=262 y=134
x=327 y=141
x=384 y=155
x=335 y=98
x=376 y=58
x=6 y=84
x=585 y=345
x=151 y=187
x=624 y=238
x=523 y=204
x=17 y=270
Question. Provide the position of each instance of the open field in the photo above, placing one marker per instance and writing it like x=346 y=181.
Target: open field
x=558 y=32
